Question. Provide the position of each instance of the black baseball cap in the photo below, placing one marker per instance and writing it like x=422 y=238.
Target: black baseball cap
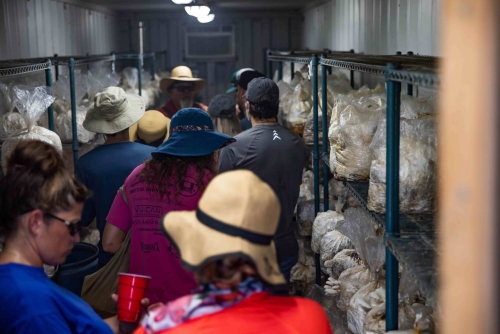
x=262 y=90
x=223 y=106
x=248 y=76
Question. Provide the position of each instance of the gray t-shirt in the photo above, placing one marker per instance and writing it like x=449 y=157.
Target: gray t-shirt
x=277 y=155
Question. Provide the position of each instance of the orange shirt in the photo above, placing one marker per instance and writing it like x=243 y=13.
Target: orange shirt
x=260 y=313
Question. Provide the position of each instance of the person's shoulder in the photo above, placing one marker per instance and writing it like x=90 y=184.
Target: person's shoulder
x=141 y=147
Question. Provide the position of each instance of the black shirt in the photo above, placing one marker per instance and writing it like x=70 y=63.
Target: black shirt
x=277 y=155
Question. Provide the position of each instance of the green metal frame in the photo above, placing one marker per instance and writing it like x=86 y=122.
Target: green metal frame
x=415 y=72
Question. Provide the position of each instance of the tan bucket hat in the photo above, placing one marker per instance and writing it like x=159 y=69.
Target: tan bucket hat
x=181 y=73
x=237 y=215
x=151 y=127
x=113 y=110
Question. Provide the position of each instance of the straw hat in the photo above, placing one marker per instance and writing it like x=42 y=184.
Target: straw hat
x=113 y=111
x=181 y=73
x=151 y=127
x=237 y=215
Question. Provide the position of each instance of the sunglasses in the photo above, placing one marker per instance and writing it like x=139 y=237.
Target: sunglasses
x=73 y=227
x=182 y=89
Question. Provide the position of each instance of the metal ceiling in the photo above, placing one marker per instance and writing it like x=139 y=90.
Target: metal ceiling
x=129 y=5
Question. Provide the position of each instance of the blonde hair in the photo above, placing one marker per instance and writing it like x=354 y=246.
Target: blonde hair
x=228 y=126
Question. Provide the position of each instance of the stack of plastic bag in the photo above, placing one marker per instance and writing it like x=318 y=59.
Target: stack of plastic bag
x=31 y=102
x=100 y=80
x=357 y=227
x=304 y=271
x=337 y=84
x=130 y=83
x=301 y=106
x=417 y=163
x=353 y=124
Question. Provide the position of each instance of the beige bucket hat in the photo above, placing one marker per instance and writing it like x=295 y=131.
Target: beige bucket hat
x=181 y=73
x=113 y=110
x=237 y=215
x=151 y=127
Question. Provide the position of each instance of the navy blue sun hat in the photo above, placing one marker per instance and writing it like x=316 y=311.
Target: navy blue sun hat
x=192 y=135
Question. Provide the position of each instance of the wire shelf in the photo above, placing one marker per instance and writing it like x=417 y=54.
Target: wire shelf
x=292 y=59
x=415 y=248
x=83 y=60
x=134 y=55
x=11 y=68
x=419 y=260
x=430 y=80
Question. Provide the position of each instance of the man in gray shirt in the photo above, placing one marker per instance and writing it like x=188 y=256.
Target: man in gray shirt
x=277 y=155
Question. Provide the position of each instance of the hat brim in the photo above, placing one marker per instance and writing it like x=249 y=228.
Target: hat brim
x=199 y=245
x=95 y=123
x=165 y=83
x=193 y=143
x=231 y=90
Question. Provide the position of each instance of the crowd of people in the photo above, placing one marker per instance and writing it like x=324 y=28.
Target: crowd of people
x=205 y=195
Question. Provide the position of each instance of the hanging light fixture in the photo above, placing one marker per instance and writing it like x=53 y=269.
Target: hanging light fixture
x=206 y=19
x=182 y=2
x=200 y=9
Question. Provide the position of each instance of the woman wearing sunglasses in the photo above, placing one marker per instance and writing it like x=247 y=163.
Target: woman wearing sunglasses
x=40 y=208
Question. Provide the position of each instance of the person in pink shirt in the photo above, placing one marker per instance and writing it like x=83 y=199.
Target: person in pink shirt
x=173 y=180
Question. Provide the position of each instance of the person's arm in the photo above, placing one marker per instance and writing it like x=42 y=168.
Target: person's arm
x=54 y=322
x=226 y=160
x=118 y=223
x=112 y=238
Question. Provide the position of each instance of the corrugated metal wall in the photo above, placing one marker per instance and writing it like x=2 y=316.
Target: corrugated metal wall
x=38 y=28
x=374 y=26
x=254 y=32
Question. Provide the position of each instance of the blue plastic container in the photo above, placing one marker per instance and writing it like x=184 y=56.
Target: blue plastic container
x=82 y=261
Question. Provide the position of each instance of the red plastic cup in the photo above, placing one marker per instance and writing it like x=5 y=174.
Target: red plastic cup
x=131 y=290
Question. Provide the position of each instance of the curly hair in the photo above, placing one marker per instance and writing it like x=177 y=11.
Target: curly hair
x=158 y=171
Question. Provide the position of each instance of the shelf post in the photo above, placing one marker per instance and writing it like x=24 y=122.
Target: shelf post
x=139 y=73
x=153 y=65
x=351 y=77
x=48 y=83
x=88 y=64
x=292 y=67
x=314 y=78
x=113 y=63
x=269 y=65
x=280 y=70
x=409 y=87
x=392 y=197
x=324 y=126
x=71 y=66
x=57 y=66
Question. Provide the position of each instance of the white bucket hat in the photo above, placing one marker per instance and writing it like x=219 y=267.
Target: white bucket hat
x=113 y=111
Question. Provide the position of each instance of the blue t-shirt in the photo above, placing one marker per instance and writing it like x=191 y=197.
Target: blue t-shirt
x=31 y=303
x=104 y=170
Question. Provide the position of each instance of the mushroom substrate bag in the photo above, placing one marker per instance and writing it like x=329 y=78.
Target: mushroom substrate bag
x=417 y=166
x=31 y=103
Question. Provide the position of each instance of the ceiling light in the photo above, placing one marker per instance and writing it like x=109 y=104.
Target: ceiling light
x=200 y=10
x=182 y=2
x=206 y=19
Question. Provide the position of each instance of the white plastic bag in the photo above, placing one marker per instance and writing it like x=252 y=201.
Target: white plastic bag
x=343 y=260
x=64 y=127
x=325 y=222
x=417 y=164
x=31 y=103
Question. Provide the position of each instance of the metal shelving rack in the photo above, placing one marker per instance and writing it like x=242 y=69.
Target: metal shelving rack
x=139 y=57
x=409 y=239
x=20 y=67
